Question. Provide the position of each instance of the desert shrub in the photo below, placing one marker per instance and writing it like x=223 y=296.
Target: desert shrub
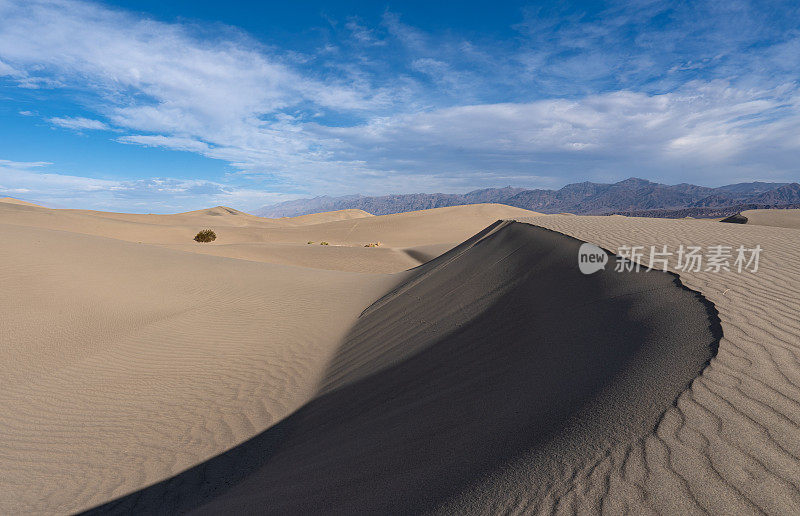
x=205 y=235
x=373 y=244
x=310 y=242
x=324 y=243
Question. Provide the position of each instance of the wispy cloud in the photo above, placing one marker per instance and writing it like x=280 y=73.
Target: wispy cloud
x=147 y=195
x=79 y=123
x=362 y=34
x=23 y=164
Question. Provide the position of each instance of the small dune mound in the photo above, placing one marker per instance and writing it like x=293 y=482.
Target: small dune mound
x=217 y=211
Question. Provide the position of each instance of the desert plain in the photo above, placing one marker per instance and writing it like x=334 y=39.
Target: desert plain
x=452 y=360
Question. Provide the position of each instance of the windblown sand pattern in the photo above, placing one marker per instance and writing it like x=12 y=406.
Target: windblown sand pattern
x=123 y=364
x=776 y=218
x=493 y=379
x=124 y=361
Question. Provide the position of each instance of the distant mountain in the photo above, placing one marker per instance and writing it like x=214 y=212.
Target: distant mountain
x=386 y=204
x=704 y=212
x=306 y=206
x=784 y=195
x=629 y=196
x=746 y=189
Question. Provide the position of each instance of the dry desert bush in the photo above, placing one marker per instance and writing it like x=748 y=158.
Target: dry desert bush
x=205 y=236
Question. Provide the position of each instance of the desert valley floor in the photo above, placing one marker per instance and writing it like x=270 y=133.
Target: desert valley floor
x=464 y=365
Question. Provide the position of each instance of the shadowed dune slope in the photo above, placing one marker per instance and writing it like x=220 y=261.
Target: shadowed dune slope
x=499 y=347
x=730 y=445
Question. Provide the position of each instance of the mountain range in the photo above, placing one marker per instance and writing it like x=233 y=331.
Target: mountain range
x=632 y=196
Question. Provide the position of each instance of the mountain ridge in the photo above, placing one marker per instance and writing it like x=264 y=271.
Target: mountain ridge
x=586 y=198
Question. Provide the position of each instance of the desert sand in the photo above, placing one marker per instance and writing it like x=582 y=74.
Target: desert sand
x=406 y=239
x=731 y=442
x=494 y=377
x=124 y=363
x=450 y=375
x=776 y=218
x=328 y=216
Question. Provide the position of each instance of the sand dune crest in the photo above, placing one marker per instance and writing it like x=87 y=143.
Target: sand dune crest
x=449 y=376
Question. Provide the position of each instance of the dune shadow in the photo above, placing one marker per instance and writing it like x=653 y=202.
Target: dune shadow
x=486 y=353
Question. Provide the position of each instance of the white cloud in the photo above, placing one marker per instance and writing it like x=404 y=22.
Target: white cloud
x=23 y=164
x=79 y=123
x=363 y=34
x=168 y=142
x=7 y=70
x=709 y=127
x=17 y=175
x=157 y=195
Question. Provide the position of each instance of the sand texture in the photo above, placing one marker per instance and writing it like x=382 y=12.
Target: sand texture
x=146 y=373
x=123 y=363
x=328 y=216
x=776 y=218
x=449 y=376
x=287 y=241
x=731 y=444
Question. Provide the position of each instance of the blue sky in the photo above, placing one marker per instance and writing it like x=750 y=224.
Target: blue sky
x=155 y=106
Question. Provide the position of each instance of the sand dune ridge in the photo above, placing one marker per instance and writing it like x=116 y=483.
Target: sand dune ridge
x=450 y=375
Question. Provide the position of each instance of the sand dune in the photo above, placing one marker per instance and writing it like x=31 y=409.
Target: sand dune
x=777 y=218
x=352 y=258
x=494 y=378
x=415 y=228
x=731 y=443
x=328 y=216
x=450 y=375
x=123 y=364
x=11 y=200
x=281 y=241
x=219 y=216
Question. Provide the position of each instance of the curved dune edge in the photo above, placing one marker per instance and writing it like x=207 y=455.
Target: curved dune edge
x=498 y=350
x=731 y=443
